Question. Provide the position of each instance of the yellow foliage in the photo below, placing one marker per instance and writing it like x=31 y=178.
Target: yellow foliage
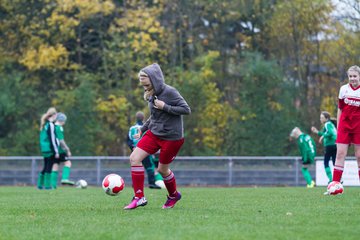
x=66 y=24
x=113 y=110
x=86 y=8
x=53 y=57
x=328 y=104
x=275 y=106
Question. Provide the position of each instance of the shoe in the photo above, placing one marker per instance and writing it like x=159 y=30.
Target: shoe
x=160 y=183
x=136 y=202
x=171 y=201
x=311 y=185
x=154 y=186
x=326 y=193
x=67 y=182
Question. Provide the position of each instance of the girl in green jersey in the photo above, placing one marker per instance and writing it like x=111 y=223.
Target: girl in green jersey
x=327 y=137
x=64 y=153
x=308 y=152
x=48 y=146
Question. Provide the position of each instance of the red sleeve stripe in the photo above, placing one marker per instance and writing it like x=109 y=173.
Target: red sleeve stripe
x=341 y=104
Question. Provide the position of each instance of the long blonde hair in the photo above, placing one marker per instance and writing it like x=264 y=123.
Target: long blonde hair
x=51 y=111
x=148 y=93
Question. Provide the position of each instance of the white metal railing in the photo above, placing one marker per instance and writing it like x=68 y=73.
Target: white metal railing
x=232 y=163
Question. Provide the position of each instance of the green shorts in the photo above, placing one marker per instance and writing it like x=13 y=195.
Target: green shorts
x=308 y=159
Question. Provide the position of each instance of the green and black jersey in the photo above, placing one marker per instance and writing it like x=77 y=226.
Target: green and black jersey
x=307 y=148
x=48 y=144
x=329 y=133
x=59 y=132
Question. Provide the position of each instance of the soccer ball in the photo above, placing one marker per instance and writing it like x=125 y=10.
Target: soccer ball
x=335 y=188
x=113 y=184
x=81 y=184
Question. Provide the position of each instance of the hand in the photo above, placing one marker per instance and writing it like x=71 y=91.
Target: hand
x=68 y=153
x=138 y=134
x=57 y=155
x=320 y=139
x=314 y=130
x=159 y=104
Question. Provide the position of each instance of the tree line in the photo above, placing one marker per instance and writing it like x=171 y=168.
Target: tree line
x=250 y=70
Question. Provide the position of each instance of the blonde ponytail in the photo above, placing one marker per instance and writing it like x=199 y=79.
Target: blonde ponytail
x=51 y=111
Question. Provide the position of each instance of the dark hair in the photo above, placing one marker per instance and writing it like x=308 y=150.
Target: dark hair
x=326 y=115
x=139 y=116
x=329 y=118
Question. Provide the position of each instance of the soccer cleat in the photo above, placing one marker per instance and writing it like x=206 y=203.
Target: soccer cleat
x=311 y=185
x=160 y=183
x=67 y=182
x=171 y=201
x=136 y=202
x=326 y=193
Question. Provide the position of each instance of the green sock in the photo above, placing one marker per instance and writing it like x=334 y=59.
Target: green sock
x=65 y=173
x=328 y=173
x=40 y=182
x=54 y=178
x=307 y=175
x=47 y=180
x=158 y=177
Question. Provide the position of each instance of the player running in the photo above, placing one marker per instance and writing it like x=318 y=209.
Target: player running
x=164 y=131
x=133 y=139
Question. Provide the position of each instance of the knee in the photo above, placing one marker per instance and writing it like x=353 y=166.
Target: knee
x=68 y=163
x=134 y=160
x=163 y=172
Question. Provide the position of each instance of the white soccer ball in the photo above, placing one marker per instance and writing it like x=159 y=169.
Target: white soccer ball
x=113 y=184
x=81 y=184
x=335 y=188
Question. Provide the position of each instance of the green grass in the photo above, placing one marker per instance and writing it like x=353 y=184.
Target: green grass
x=203 y=213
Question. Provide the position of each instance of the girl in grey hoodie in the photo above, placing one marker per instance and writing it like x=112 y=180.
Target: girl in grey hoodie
x=163 y=130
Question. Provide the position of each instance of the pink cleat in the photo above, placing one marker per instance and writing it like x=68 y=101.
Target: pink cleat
x=136 y=202
x=171 y=201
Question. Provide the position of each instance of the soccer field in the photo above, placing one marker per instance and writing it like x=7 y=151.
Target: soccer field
x=203 y=213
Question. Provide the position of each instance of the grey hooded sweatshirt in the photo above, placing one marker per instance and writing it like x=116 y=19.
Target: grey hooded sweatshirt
x=167 y=123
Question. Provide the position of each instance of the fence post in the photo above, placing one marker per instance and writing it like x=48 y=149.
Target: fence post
x=296 y=171
x=33 y=170
x=98 y=171
x=230 y=164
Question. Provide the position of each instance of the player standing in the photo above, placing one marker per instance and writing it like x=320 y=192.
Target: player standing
x=48 y=147
x=164 y=131
x=64 y=154
x=348 y=120
x=328 y=138
x=308 y=152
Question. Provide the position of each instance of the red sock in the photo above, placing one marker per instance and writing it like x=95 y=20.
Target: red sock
x=338 y=171
x=138 y=177
x=170 y=184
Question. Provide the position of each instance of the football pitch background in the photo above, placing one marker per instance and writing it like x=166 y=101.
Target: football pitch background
x=202 y=213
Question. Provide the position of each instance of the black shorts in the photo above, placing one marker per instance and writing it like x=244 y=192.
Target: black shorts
x=62 y=158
